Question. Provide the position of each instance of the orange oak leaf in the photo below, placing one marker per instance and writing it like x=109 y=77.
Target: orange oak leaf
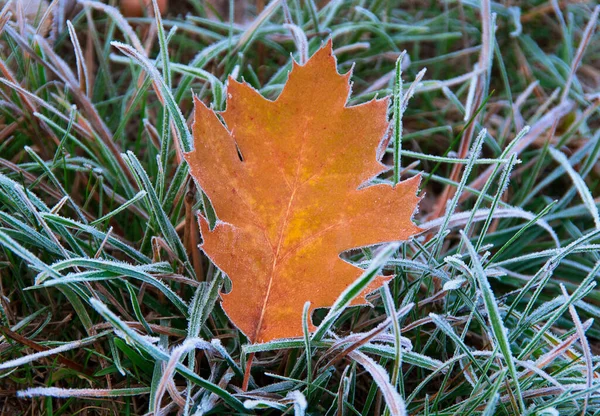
x=287 y=179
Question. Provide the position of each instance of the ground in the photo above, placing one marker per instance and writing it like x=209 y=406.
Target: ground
x=103 y=287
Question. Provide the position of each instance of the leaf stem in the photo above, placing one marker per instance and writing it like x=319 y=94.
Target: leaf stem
x=247 y=371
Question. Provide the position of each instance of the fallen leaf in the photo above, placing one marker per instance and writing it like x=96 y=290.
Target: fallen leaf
x=288 y=182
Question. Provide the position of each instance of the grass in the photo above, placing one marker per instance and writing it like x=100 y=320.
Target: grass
x=107 y=307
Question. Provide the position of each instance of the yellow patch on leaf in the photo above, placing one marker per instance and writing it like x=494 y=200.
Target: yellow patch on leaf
x=297 y=197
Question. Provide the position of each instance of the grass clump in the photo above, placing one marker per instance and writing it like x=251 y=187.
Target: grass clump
x=107 y=305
